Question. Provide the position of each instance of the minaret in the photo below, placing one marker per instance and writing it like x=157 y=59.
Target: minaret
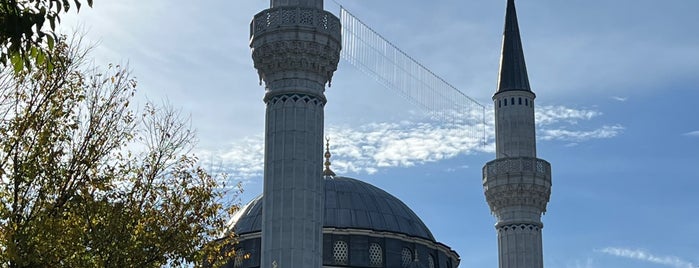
x=517 y=184
x=295 y=48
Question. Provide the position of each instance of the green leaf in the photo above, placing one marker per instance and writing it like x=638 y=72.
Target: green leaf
x=49 y=66
x=40 y=58
x=17 y=62
x=50 y=40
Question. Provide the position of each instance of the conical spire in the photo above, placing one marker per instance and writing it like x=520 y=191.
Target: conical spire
x=513 y=69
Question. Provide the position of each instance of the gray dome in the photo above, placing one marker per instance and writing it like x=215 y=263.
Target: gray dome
x=350 y=203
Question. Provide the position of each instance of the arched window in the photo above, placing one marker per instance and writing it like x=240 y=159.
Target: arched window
x=430 y=261
x=513 y=101
x=375 y=255
x=520 y=101
x=526 y=102
x=406 y=256
x=499 y=103
x=340 y=252
x=505 y=102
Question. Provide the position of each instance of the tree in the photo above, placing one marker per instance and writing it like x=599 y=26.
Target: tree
x=23 y=35
x=85 y=181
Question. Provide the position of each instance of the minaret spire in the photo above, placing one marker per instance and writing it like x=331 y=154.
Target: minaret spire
x=513 y=69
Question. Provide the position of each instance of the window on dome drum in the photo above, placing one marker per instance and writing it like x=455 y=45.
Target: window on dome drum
x=430 y=261
x=499 y=103
x=340 y=252
x=375 y=255
x=513 y=101
x=505 y=102
x=520 y=101
x=526 y=102
x=406 y=257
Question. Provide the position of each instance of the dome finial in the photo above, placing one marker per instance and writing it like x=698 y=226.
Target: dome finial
x=327 y=171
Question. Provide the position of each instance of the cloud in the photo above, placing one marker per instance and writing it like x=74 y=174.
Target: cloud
x=621 y=99
x=588 y=263
x=381 y=145
x=367 y=148
x=605 y=132
x=547 y=115
x=643 y=255
x=692 y=134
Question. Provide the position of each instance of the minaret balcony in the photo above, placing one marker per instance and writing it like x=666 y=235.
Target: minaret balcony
x=516 y=182
x=286 y=17
x=516 y=165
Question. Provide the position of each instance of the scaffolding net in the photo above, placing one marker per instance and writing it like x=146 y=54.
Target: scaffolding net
x=381 y=60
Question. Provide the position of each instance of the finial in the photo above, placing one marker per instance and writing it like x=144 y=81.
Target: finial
x=327 y=171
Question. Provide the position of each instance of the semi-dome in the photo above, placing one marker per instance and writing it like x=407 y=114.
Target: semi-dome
x=350 y=204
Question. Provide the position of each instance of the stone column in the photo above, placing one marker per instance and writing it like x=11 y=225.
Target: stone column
x=295 y=49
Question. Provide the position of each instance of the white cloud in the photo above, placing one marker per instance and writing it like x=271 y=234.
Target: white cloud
x=642 y=255
x=547 y=115
x=621 y=99
x=588 y=263
x=370 y=147
x=604 y=132
x=692 y=134
x=380 y=145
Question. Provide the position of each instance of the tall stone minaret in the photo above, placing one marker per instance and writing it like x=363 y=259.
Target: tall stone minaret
x=295 y=48
x=517 y=184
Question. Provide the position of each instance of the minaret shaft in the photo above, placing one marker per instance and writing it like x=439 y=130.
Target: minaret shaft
x=514 y=124
x=517 y=184
x=295 y=49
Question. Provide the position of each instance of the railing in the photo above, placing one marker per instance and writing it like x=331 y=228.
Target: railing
x=519 y=164
x=279 y=17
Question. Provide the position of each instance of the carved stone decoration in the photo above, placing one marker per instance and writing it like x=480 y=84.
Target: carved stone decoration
x=295 y=43
x=513 y=182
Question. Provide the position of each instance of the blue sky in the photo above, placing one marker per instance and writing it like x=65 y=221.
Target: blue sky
x=617 y=96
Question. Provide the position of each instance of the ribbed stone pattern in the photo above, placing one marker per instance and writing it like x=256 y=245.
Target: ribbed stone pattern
x=295 y=49
x=521 y=246
x=293 y=204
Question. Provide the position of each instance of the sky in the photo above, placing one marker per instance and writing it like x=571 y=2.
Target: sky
x=617 y=97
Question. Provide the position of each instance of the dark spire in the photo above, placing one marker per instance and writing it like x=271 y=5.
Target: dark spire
x=513 y=70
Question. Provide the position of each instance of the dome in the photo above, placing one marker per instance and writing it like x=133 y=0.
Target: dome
x=350 y=204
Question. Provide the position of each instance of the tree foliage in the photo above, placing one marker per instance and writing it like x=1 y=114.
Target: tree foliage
x=86 y=181
x=24 y=36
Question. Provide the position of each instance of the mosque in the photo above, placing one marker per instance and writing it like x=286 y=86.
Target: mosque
x=308 y=216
